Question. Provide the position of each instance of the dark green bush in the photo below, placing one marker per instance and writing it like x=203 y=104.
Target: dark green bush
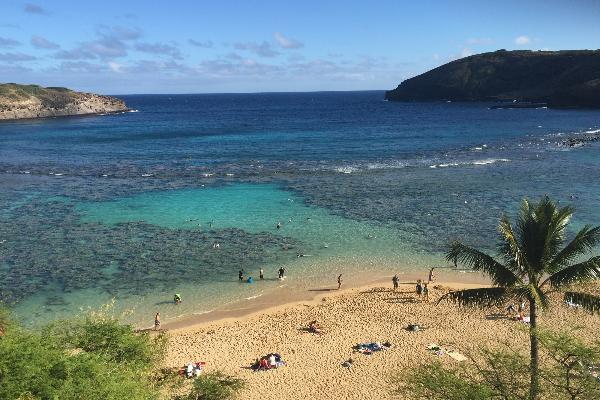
x=215 y=386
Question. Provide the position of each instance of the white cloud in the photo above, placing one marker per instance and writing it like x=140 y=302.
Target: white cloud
x=522 y=40
x=466 y=52
x=115 y=67
x=287 y=43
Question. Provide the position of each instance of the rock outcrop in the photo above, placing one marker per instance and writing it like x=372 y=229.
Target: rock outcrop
x=560 y=79
x=32 y=101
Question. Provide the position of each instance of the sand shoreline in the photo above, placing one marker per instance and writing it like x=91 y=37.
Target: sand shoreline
x=349 y=317
x=280 y=298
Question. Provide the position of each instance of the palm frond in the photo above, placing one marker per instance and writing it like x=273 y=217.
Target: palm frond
x=481 y=297
x=585 y=240
x=581 y=272
x=541 y=228
x=530 y=291
x=475 y=259
x=587 y=301
x=555 y=230
x=509 y=246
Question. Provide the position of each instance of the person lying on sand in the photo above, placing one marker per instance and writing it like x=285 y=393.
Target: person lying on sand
x=313 y=327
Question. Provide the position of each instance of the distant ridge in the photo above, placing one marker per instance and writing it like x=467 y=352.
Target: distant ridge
x=33 y=101
x=559 y=79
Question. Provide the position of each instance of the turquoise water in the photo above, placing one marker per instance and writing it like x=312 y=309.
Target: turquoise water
x=253 y=208
x=320 y=239
x=120 y=207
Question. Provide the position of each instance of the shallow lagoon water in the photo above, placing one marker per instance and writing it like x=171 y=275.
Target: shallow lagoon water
x=98 y=208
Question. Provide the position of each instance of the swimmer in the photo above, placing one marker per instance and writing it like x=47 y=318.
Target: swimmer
x=278 y=225
x=157 y=321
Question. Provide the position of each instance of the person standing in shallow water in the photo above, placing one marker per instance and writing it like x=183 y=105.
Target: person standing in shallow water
x=339 y=281
x=281 y=273
x=431 y=276
x=241 y=275
x=261 y=274
x=157 y=321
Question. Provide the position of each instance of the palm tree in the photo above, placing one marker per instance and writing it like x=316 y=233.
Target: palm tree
x=533 y=263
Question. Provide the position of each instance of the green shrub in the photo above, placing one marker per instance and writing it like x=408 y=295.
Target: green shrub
x=215 y=386
x=93 y=358
x=566 y=372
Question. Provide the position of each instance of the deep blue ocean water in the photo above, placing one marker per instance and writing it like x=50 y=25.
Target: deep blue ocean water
x=130 y=206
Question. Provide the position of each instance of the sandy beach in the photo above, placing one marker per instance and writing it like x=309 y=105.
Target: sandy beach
x=373 y=313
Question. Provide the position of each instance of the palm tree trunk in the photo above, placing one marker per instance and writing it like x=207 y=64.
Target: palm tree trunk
x=533 y=366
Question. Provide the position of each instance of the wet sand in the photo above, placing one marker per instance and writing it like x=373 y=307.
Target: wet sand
x=366 y=314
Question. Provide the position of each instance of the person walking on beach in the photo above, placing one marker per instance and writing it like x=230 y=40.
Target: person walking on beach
x=261 y=274
x=431 y=276
x=339 y=281
x=157 y=321
x=419 y=288
x=425 y=292
x=395 y=282
x=281 y=273
x=241 y=275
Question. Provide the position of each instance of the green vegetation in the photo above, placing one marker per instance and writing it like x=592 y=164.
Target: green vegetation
x=96 y=357
x=569 y=78
x=534 y=262
x=215 y=386
x=55 y=97
x=567 y=372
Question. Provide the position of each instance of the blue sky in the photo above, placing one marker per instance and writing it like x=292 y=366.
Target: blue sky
x=121 y=47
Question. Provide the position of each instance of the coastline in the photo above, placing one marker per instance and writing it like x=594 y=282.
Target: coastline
x=61 y=116
x=369 y=313
x=305 y=295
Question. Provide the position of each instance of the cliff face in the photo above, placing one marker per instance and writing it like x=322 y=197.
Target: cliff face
x=32 y=101
x=568 y=78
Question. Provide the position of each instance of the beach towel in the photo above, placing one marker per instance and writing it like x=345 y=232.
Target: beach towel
x=369 y=348
x=456 y=355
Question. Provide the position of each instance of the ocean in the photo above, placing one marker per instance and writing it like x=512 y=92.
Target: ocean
x=180 y=195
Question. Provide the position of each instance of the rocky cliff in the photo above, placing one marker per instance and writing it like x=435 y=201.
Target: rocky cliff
x=562 y=79
x=32 y=101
